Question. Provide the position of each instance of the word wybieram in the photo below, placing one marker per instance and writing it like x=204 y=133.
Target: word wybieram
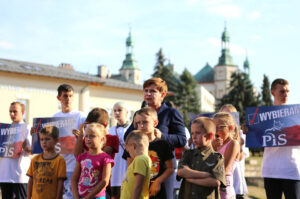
x=60 y=123
x=281 y=113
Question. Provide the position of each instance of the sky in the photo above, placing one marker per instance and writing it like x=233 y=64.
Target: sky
x=88 y=33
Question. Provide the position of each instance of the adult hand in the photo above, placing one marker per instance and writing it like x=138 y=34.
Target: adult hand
x=32 y=131
x=25 y=146
x=244 y=128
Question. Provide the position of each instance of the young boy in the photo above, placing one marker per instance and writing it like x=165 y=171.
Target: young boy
x=159 y=151
x=47 y=170
x=65 y=95
x=13 y=179
x=202 y=168
x=135 y=184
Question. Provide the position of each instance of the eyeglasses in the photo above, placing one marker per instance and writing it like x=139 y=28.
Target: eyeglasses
x=220 y=127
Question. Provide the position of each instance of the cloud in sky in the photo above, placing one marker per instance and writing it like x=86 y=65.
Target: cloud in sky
x=6 y=45
x=213 y=43
x=255 y=37
x=254 y=15
x=225 y=10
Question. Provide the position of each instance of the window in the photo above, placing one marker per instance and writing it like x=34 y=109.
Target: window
x=26 y=103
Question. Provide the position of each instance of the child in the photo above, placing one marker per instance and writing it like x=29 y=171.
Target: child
x=99 y=116
x=119 y=170
x=13 y=179
x=159 y=151
x=47 y=170
x=135 y=184
x=202 y=168
x=228 y=134
x=239 y=181
x=92 y=171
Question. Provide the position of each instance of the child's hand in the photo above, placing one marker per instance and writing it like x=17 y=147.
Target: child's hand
x=80 y=132
x=76 y=133
x=154 y=188
x=157 y=133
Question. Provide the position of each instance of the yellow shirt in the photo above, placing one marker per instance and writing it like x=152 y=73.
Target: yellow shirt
x=45 y=174
x=140 y=165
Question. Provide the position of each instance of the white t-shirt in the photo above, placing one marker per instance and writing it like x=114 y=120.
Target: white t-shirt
x=239 y=181
x=281 y=162
x=13 y=170
x=80 y=117
x=120 y=167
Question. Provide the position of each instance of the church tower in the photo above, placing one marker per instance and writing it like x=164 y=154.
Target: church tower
x=224 y=69
x=129 y=69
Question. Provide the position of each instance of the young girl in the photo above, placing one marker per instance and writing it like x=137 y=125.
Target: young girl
x=239 y=181
x=227 y=135
x=119 y=170
x=92 y=171
x=100 y=116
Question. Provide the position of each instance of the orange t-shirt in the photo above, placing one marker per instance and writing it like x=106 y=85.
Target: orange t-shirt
x=45 y=174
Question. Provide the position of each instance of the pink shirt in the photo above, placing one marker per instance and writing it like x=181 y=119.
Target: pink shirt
x=91 y=171
x=230 y=192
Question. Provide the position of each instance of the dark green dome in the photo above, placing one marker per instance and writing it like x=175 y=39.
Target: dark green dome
x=206 y=74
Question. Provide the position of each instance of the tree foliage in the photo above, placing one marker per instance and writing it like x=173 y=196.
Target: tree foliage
x=241 y=94
x=265 y=92
x=186 y=97
x=164 y=72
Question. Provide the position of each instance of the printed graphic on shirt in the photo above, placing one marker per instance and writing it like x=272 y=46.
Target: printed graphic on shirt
x=44 y=175
x=155 y=164
x=89 y=176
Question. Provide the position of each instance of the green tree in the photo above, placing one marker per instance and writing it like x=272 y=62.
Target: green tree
x=186 y=97
x=265 y=92
x=241 y=94
x=164 y=72
x=160 y=63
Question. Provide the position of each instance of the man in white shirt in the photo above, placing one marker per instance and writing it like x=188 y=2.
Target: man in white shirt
x=13 y=179
x=281 y=165
x=66 y=97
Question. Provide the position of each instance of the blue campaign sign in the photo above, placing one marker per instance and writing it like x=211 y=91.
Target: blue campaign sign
x=65 y=125
x=11 y=138
x=273 y=126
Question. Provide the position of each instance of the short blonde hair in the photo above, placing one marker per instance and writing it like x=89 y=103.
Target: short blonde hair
x=147 y=111
x=230 y=107
x=50 y=130
x=139 y=138
x=158 y=82
x=227 y=119
x=205 y=124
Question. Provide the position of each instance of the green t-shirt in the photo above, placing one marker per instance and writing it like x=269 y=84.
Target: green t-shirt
x=140 y=165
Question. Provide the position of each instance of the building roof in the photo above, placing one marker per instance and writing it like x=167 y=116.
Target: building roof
x=44 y=70
x=206 y=74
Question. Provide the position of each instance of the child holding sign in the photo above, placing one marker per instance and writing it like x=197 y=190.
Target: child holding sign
x=228 y=135
x=92 y=171
x=13 y=179
x=47 y=170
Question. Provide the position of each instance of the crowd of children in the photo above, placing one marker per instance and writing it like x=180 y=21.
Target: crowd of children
x=108 y=164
